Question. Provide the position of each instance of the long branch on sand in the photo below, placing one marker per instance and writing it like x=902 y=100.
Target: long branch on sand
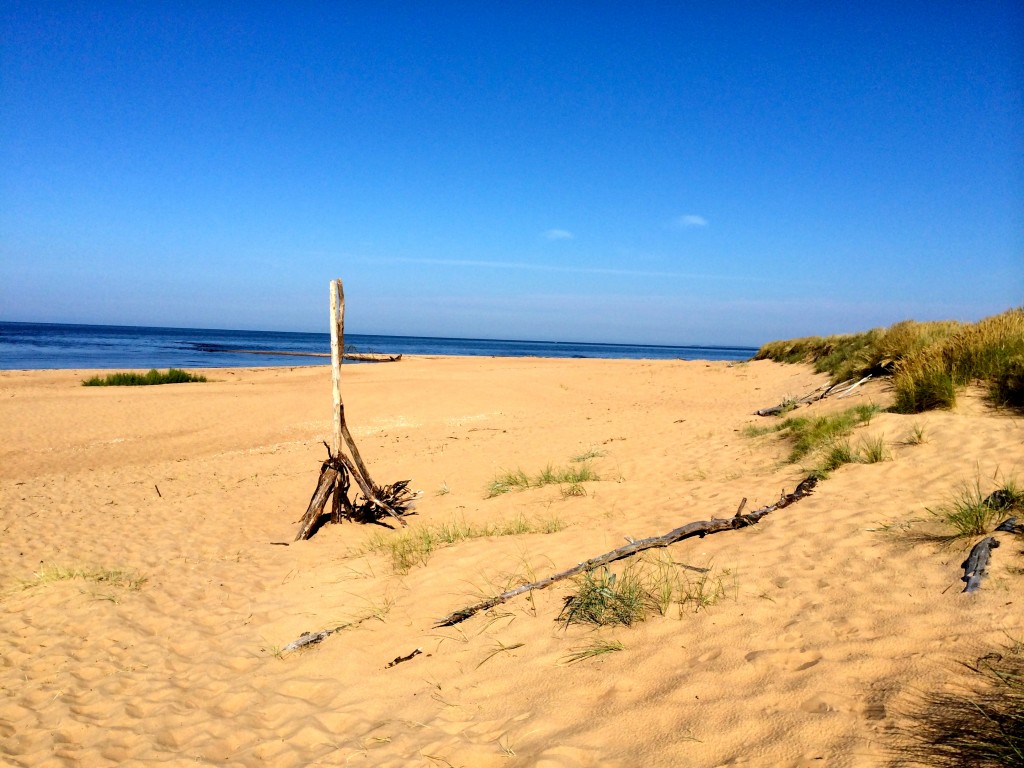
x=699 y=528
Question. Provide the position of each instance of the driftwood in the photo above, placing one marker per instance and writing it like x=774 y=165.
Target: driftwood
x=843 y=389
x=976 y=565
x=1010 y=525
x=699 y=528
x=399 y=659
x=338 y=472
x=360 y=357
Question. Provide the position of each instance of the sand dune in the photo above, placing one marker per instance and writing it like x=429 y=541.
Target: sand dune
x=171 y=511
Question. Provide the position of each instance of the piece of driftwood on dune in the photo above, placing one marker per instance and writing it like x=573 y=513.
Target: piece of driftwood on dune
x=976 y=565
x=842 y=389
x=699 y=528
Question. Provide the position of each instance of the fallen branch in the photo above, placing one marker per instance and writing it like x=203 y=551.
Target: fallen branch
x=789 y=404
x=841 y=390
x=699 y=528
x=849 y=390
x=399 y=659
x=976 y=565
x=312 y=638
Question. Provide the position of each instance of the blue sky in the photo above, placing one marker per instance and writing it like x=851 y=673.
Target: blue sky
x=710 y=173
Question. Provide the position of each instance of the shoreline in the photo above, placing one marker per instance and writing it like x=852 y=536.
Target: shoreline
x=818 y=632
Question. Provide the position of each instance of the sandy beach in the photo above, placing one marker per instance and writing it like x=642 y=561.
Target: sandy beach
x=149 y=582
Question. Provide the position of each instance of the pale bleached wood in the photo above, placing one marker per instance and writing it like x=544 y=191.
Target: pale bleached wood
x=325 y=485
x=337 y=355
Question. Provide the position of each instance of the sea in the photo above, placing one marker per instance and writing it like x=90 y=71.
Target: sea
x=52 y=345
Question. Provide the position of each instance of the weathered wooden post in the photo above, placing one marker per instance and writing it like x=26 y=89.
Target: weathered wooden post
x=394 y=500
x=337 y=355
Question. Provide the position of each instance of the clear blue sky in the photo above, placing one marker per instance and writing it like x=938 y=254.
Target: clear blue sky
x=647 y=172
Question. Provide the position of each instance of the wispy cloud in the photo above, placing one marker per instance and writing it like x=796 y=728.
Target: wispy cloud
x=691 y=220
x=558 y=234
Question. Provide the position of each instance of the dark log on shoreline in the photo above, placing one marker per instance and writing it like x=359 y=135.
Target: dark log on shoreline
x=699 y=528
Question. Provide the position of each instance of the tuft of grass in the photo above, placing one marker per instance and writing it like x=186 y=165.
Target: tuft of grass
x=971 y=512
x=873 y=450
x=507 y=481
x=518 y=480
x=642 y=589
x=983 y=725
x=835 y=455
x=116 y=577
x=596 y=648
x=604 y=598
x=916 y=436
x=414 y=545
x=173 y=376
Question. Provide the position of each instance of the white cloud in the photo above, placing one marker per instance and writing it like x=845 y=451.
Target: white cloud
x=558 y=234
x=691 y=220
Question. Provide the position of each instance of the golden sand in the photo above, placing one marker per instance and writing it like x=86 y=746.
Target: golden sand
x=828 y=631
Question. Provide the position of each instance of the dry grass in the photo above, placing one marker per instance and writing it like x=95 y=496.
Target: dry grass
x=929 y=362
x=983 y=725
x=517 y=479
x=414 y=545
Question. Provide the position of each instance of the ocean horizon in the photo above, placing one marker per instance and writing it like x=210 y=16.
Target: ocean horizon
x=33 y=346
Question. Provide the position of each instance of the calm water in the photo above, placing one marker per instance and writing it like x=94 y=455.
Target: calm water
x=50 y=345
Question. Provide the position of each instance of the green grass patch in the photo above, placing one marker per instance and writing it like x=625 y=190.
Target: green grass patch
x=971 y=512
x=172 y=376
x=519 y=480
x=823 y=439
x=593 y=650
x=642 y=589
x=414 y=545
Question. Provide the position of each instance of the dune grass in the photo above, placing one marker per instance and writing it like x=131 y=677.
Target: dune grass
x=929 y=362
x=824 y=438
x=517 y=479
x=117 y=577
x=414 y=545
x=172 y=376
x=971 y=512
x=592 y=650
x=643 y=588
x=981 y=726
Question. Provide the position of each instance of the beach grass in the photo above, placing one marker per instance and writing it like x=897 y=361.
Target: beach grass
x=414 y=545
x=153 y=377
x=517 y=479
x=929 y=362
x=971 y=512
x=825 y=438
x=116 y=577
x=642 y=589
x=592 y=650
